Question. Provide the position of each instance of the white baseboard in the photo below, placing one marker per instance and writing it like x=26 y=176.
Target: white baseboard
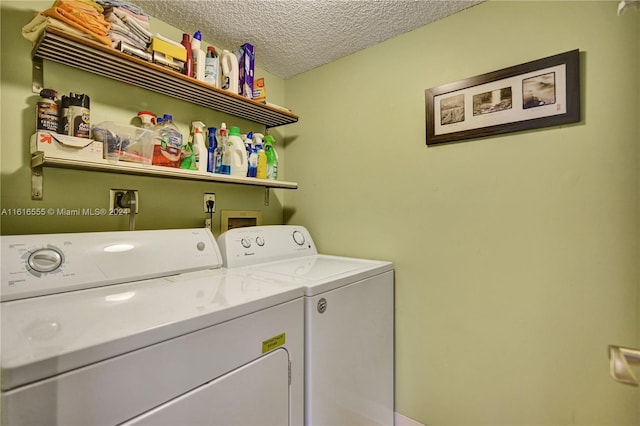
x=401 y=420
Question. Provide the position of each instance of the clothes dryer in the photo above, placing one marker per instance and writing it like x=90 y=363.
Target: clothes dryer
x=349 y=321
x=145 y=327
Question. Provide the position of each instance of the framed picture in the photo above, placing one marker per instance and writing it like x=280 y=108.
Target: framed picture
x=541 y=93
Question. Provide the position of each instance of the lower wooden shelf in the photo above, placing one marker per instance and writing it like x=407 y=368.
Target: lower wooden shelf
x=38 y=160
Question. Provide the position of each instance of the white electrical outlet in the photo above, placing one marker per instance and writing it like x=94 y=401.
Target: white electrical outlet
x=113 y=199
x=209 y=196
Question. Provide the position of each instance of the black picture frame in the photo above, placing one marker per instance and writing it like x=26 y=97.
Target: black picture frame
x=540 y=93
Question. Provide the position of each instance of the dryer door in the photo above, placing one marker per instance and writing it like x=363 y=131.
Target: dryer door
x=254 y=394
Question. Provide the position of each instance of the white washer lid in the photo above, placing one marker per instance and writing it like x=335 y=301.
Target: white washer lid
x=321 y=273
x=47 y=335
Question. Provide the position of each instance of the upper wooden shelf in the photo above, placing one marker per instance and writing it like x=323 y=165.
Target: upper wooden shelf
x=87 y=55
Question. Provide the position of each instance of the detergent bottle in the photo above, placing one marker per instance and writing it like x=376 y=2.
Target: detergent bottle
x=170 y=144
x=188 y=63
x=272 y=157
x=237 y=154
x=230 y=71
x=225 y=166
x=198 y=56
x=261 y=172
x=212 y=67
x=197 y=128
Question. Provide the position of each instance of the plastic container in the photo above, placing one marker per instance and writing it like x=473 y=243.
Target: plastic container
x=212 y=67
x=198 y=56
x=261 y=172
x=47 y=111
x=225 y=166
x=168 y=152
x=238 y=153
x=230 y=71
x=78 y=115
x=199 y=146
x=188 y=63
x=125 y=142
x=272 y=157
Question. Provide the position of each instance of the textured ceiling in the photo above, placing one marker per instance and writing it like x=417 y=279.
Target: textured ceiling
x=293 y=36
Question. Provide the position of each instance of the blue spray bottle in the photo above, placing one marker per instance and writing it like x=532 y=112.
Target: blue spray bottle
x=211 y=150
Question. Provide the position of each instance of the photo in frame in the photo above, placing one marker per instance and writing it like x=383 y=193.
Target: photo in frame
x=540 y=93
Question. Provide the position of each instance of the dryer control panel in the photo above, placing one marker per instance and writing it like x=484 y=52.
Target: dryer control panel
x=258 y=244
x=35 y=265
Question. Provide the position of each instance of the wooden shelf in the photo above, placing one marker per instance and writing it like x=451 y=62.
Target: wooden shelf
x=77 y=52
x=38 y=160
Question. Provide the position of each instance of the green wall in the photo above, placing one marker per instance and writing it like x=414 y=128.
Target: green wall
x=516 y=256
x=164 y=202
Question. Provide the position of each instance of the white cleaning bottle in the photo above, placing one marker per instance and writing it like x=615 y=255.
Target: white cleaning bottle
x=237 y=153
x=230 y=71
x=197 y=129
x=198 y=56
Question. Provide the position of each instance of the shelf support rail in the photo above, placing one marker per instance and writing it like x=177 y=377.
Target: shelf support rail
x=37 y=75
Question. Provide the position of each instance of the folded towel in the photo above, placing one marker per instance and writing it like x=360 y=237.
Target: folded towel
x=133 y=25
x=82 y=16
x=37 y=25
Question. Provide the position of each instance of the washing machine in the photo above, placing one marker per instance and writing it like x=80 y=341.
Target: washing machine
x=145 y=328
x=349 y=321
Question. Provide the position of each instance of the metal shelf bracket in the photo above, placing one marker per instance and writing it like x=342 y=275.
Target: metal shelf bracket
x=37 y=75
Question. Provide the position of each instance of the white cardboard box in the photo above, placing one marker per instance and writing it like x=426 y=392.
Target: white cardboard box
x=68 y=147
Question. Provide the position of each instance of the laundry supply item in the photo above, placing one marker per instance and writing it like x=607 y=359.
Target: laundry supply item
x=78 y=115
x=261 y=172
x=238 y=153
x=63 y=115
x=85 y=16
x=212 y=67
x=199 y=146
x=259 y=90
x=125 y=142
x=47 y=111
x=168 y=152
x=198 y=56
x=252 y=156
x=229 y=65
x=188 y=63
x=272 y=157
x=246 y=59
x=65 y=146
x=212 y=149
x=34 y=28
x=168 y=53
x=225 y=167
x=129 y=32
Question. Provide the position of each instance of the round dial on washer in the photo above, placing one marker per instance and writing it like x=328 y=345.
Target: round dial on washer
x=45 y=260
x=246 y=243
x=298 y=237
x=260 y=241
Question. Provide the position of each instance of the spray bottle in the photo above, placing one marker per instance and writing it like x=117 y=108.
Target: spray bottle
x=212 y=148
x=197 y=127
x=272 y=157
x=252 y=158
x=262 y=156
x=198 y=56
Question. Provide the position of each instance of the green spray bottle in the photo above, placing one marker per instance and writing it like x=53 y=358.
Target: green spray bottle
x=272 y=157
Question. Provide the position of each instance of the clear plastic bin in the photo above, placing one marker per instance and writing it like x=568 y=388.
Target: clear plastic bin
x=125 y=142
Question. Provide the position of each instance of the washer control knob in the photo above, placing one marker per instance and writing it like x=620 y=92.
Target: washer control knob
x=260 y=241
x=246 y=243
x=298 y=237
x=45 y=260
